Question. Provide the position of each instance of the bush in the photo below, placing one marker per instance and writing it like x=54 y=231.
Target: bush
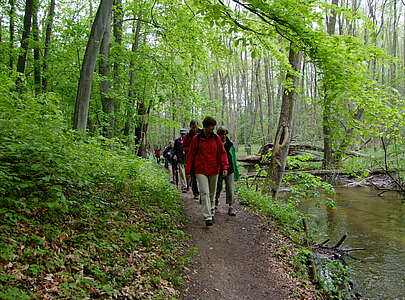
x=83 y=217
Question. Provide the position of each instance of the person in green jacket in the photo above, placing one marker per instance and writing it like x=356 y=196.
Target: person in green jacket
x=233 y=173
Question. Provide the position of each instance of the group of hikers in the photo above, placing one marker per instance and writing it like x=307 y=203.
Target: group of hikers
x=203 y=160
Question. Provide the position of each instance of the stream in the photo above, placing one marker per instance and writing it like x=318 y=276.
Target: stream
x=371 y=222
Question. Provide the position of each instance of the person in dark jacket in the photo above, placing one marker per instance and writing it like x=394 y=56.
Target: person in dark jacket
x=207 y=156
x=233 y=173
x=194 y=130
x=168 y=156
x=180 y=157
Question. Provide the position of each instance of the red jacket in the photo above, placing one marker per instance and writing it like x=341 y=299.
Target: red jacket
x=208 y=155
x=188 y=138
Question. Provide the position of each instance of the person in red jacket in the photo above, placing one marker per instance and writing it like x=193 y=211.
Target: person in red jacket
x=194 y=130
x=207 y=156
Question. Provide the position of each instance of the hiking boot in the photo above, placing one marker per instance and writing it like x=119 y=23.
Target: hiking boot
x=196 y=197
x=231 y=211
x=209 y=223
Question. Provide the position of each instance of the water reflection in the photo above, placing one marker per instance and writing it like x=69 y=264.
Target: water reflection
x=371 y=222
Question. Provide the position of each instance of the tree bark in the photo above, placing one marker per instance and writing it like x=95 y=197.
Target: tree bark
x=328 y=161
x=284 y=129
x=1 y=27
x=269 y=93
x=106 y=100
x=259 y=98
x=37 y=53
x=29 y=5
x=11 y=32
x=48 y=34
x=89 y=61
x=136 y=30
x=118 y=79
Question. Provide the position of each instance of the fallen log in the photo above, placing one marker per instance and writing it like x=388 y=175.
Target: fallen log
x=253 y=159
x=297 y=147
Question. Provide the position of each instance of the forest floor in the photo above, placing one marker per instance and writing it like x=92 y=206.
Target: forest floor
x=240 y=257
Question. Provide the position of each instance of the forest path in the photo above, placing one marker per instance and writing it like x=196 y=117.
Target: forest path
x=233 y=259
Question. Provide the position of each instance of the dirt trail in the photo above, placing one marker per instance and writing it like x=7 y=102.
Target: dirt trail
x=233 y=259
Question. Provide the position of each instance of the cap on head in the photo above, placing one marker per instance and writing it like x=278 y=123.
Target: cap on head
x=183 y=131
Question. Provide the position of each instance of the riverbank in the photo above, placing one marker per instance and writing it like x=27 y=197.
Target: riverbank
x=370 y=221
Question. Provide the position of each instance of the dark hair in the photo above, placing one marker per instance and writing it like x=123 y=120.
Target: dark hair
x=209 y=121
x=222 y=130
x=193 y=122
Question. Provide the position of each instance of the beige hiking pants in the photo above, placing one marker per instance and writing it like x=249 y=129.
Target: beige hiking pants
x=182 y=177
x=229 y=188
x=207 y=185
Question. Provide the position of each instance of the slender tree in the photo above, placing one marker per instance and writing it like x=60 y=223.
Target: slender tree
x=104 y=70
x=37 y=53
x=328 y=99
x=284 y=128
x=48 y=35
x=86 y=74
x=1 y=27
x=136 y=31
x=11 y=32
x=29 y=6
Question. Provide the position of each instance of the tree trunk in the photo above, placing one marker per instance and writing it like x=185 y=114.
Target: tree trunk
x=269 y=93
x=393 y=51
x=222 y=81
x=48 y=33
x=284 y=128
x=118 y=79
x=11 y=29
x=141 y=129
x=327 y=110
x=89 y=61
x=327 y=133
x=106 y=100
x=259 y=98
x=136 y=30
x=29 y=5
x=37 y=54
x=1 y=27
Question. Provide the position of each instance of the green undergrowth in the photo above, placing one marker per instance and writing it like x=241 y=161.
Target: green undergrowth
x=82 y=217
x=284 y=213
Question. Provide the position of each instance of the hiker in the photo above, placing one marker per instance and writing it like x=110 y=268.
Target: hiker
x=233 y=173
x=207 y=156
x=194 y=130
x=157 y=155
x=180 y=157
x=167 y=154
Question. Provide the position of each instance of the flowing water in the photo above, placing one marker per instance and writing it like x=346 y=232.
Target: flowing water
x=371 y=222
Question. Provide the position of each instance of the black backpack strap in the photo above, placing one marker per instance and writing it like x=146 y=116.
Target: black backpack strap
x=196 y=152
